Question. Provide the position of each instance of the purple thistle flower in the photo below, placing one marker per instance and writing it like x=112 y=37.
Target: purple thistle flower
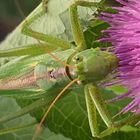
x=124 y=34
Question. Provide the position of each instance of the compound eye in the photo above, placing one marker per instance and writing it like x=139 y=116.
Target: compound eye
x=77 y=59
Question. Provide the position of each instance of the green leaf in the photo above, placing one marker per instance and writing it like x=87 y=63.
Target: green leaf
x=26 y=133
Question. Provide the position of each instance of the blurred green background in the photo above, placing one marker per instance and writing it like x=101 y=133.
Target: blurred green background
x=10 y=16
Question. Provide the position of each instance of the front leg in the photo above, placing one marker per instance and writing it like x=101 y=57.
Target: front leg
x=76 y=27
x=94 y=101
x=75 y=23
x=48 y=39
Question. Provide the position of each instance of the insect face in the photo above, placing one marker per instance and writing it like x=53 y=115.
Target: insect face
x=93 y=65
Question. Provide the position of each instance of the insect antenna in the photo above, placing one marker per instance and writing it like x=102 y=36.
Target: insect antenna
x=55 y=57
x=38 y=128
x=19 y=9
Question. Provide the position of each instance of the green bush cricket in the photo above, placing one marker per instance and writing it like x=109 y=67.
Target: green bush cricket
x=80 y=65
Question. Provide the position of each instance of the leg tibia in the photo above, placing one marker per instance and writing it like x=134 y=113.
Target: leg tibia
x=95 y=102
x=98 y=100
x=75 y=22
x=92 y=117
x=76 y=28
x=26 y=29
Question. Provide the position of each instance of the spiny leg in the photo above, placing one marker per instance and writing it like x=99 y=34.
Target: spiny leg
x=54 y=41
x=75 y=22
x=95 y=100
x=91 y=110
x=31 y=49
x=76 y=27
